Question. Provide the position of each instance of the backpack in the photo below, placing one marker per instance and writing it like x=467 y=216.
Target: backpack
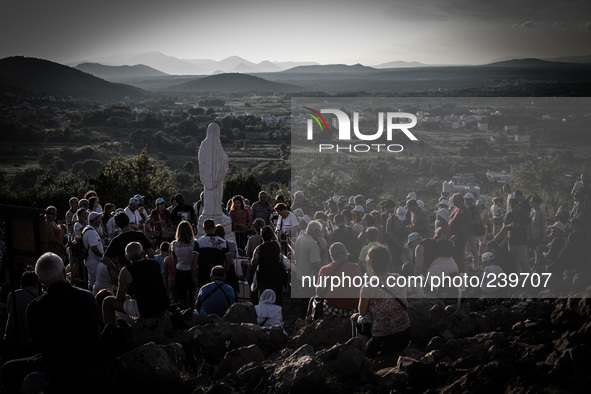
x=79 y=251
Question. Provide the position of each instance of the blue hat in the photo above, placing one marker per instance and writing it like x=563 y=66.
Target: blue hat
x=133 y=200
x=138 y=197
x=160 y=201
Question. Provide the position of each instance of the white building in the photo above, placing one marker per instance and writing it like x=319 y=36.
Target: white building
x=482 y=126
x=511 y=129
x=522 y=138
x=501 y=177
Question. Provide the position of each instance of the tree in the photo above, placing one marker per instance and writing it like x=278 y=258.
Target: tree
x=283 y=149
x=120 y=179
x=243 y=183
x=545 y=177
x=189 y=166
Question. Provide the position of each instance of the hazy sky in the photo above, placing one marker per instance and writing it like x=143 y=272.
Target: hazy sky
x=326 y=31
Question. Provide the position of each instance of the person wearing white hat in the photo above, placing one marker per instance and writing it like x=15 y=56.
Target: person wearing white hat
x=443 y=203
x=94 y=246
x=401 y=214
x=412 y=241
x=161 y=222
x=490 y=273
x=420 y=203
x=135 y=218
x=411 y=196
x=442 y=223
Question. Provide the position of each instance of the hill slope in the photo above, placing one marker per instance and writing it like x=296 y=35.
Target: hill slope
x=45 y=77
x=116 y=72
x=232 y=83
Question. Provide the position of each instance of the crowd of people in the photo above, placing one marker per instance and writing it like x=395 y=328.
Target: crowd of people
x=138 y=261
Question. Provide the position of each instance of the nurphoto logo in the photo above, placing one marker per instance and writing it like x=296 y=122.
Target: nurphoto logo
x=394 y=121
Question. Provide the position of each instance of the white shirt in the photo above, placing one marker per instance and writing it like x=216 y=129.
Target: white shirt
x=509 y=197
x=578 y=186
x=91 y=238
x=288 y=224
x=134 y=216
x=103 y=280
x=184 y=255
x=112 y=228
x=78 y=227
x=495 y=210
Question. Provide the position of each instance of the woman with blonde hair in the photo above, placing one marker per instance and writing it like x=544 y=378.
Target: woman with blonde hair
x=182 y=253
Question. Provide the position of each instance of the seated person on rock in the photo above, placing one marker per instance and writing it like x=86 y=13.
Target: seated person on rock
x=141 y=292
x=216 y=296
x=269 y=314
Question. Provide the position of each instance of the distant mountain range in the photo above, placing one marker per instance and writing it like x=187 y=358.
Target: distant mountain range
x=118 y=72
x=537 y=63
x=175 y=66
x=48 y=78
x=140 y=82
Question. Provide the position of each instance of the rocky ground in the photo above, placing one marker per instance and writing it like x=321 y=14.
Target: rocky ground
x=487 y=346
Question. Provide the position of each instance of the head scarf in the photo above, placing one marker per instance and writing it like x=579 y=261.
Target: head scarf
x=266 y=306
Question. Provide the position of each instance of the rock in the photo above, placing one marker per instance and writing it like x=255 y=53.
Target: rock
x=580 y=282
x=436 y=312
x=298 y=374
x=278 y=338
x=435 y=343
x=241 y=312
x=147 y=368
x=585 y=329
x=420 y=373
x=467 y=362
x=200 y=319
x=252 y=377
x=155 y=329
x=501 y=318
x=581 y=306
x=344 y=359
x=580 y=358
x=220 y=388
x=324 y=333
x=213 y=340
x=422 y=327
x=432 y=356
x=176 y=353
x=539 y=310
x=236 y=358
x=565 y=318
x=390 y=378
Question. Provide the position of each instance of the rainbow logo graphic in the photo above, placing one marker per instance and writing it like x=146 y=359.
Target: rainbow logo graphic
x=315 y=115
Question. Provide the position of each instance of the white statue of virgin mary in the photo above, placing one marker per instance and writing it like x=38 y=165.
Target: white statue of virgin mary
x=213 y=166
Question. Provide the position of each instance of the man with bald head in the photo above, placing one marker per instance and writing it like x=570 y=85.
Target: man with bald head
x=141 y=292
